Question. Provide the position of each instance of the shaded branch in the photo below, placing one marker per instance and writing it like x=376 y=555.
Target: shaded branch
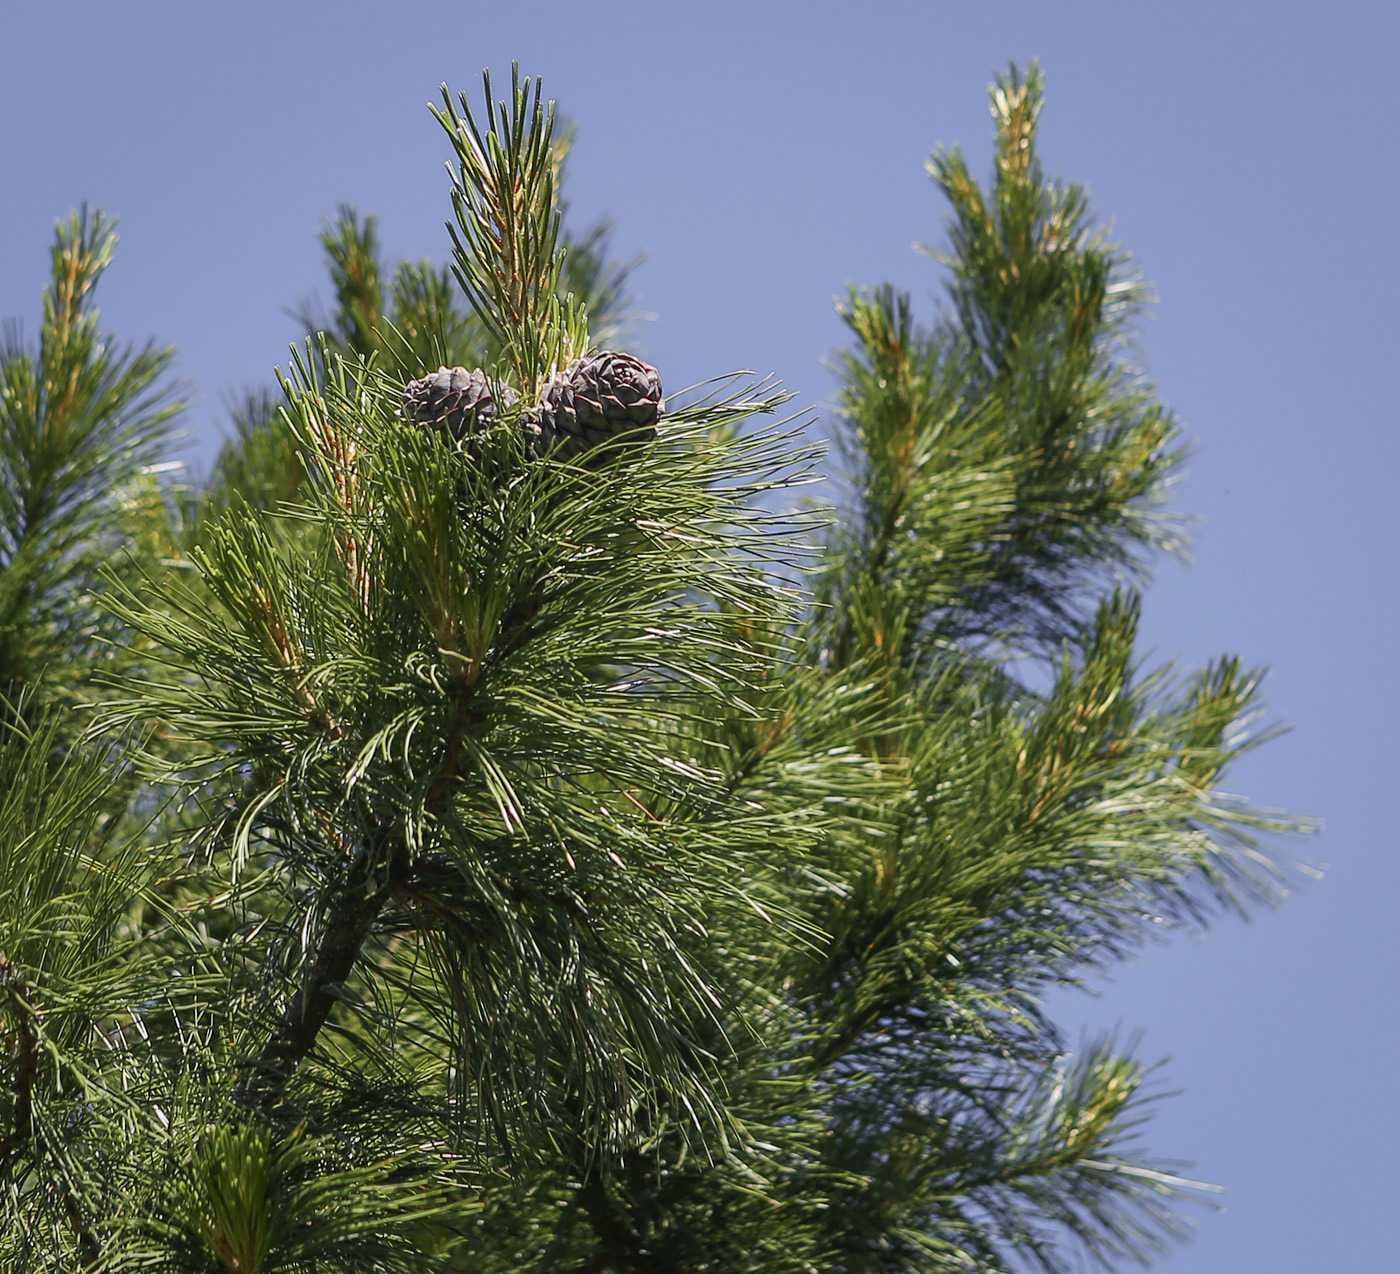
x=29 y=1046
x=266 y=1079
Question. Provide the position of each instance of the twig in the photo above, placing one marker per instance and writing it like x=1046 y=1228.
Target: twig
x=266 y=1079
x=28 y=1052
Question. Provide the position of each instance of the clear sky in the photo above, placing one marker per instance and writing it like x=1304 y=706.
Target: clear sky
x=765 y=155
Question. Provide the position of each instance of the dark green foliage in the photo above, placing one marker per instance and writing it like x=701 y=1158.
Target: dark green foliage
x=491 y=861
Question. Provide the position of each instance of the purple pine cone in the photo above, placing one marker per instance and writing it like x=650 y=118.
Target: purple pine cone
x=453 y=401
x=594 y=400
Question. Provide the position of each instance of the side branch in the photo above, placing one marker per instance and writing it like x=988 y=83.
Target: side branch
x=266 y=1079
x=374 y=876
x=28 y=1051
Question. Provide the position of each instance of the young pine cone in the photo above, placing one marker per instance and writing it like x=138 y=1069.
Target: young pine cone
x=452 y=401
x=592 y=401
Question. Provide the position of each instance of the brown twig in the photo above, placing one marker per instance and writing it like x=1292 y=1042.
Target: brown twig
x=28 y=1052
x=26 y=1057
x=265 y=1081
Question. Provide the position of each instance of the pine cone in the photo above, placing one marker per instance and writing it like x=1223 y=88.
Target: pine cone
x=453 y=401
x=592 y=401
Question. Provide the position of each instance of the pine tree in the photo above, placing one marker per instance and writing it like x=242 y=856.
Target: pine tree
x=488 y=838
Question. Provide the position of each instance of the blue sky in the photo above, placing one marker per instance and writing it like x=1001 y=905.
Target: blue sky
x=765 y=155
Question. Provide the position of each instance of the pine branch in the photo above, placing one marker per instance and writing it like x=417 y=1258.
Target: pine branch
x=80 y=420
x=29 y=1052
x=356 y=271
x=617 y=1244
x=1010 y=458
x=351 y=916
x=506 y=237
